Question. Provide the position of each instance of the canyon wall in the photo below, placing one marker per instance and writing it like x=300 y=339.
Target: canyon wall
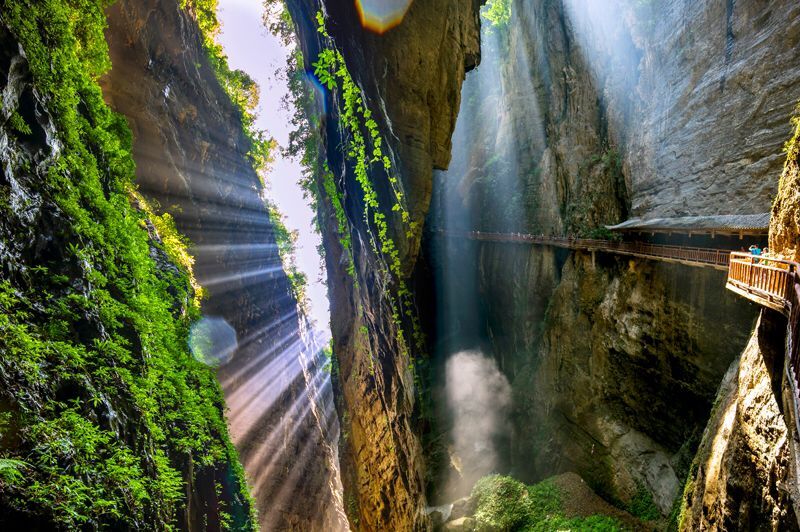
x=106 y=419
x=576 y=120
x=191 y=155
x=596 y=118
x=410 y=78
x=745 y=474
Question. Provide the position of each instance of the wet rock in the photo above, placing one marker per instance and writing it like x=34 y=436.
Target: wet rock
x=745 y=474
x=462 y=524
x=463 y=507
x=411 y=77
x=438 y=515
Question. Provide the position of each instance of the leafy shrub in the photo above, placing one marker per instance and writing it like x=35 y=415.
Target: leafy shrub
x=497 y=12
x=642 y=505
x=504 y=503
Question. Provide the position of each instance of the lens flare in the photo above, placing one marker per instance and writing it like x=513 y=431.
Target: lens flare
x=212 y=341
x=318 y=90
x=382 y=15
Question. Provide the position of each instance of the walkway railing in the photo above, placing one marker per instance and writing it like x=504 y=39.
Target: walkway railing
x=766 y=281
x=717 y=258
x=775 y=284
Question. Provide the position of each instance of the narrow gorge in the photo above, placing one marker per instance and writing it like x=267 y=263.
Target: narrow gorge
x=557 y=269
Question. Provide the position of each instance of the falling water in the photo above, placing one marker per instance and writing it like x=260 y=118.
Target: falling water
x=478 y=397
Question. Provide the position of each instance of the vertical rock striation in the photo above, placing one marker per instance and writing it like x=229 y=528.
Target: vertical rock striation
x=411 y=78
x=745 y=474
x=110 y=421
x=191 y=157
x=601 y=118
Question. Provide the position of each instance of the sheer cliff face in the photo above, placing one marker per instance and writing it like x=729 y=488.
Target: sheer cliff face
x=746 y=471
x=718 y=84
x=640 y=122
x=411 y=77
x=191 y=158
x=98 y=390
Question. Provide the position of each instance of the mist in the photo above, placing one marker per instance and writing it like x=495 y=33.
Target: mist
x=478 y=398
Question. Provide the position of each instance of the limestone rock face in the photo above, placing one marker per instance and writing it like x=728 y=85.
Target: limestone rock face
x=718 y=82
x=411 y=77
x=744 y=475
x=784 y=231
x=100 y=363
x=191 y=157
x=624 y=375
x=617 y=362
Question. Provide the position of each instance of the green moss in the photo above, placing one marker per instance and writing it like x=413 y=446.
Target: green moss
x=642 y=505
x=106 y=344
x=504 y=503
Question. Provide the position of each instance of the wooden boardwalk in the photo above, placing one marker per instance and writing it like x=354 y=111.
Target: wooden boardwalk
x=775 y=284
x=690 y=256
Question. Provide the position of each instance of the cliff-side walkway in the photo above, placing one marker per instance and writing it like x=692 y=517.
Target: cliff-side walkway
x=691 y=256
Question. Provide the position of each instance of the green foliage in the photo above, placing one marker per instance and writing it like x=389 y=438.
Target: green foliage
x=497 y=13
x=792 y=146
x=337 y=201
x=330 y=361
x=604 y=186
x=504 y=503
x=287 y=245
x=18 y=124
x=364 y=150
x=680 y=506
x=11 y=470
x=600 y=233
x=97 y=335
x=642 y=504
x=238 y=85
x=243 y=92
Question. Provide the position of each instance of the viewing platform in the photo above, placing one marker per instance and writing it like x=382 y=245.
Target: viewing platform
x=775 y=284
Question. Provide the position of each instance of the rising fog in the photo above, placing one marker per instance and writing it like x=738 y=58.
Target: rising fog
x=478 y=398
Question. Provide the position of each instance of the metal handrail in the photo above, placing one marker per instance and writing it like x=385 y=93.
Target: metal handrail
x=769 y=281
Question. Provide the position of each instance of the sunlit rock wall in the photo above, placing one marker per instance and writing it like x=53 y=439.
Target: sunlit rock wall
x=718 y=82
x=680 y=108
x=411 y=76
x=745 y=474
x=95 y=400
x=191 y=157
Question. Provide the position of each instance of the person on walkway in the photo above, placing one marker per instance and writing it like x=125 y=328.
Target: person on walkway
x=755 y=250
